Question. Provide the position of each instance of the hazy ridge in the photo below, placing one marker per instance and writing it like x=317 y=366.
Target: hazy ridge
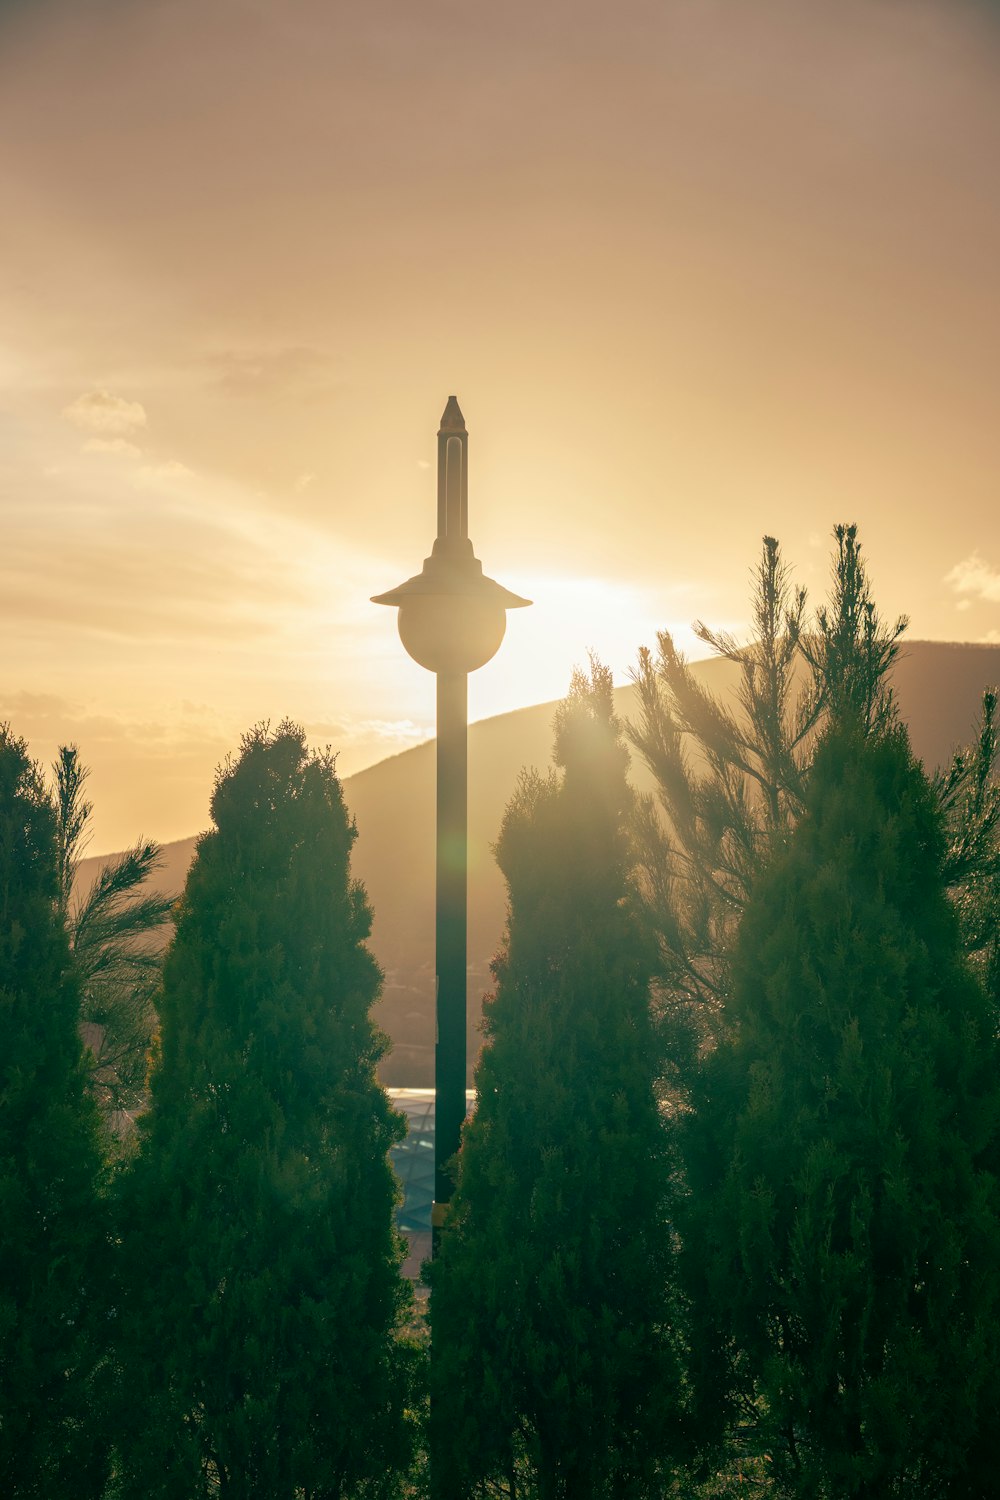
x=939 y=687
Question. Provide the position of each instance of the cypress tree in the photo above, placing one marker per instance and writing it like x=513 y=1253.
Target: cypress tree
x=841 y=1235
x=51 y=1218
x=553 y=1369
x=263 y=1294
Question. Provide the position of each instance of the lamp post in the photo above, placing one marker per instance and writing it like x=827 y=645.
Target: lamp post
x=451 y=620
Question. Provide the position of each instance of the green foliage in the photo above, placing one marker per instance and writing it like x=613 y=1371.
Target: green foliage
x=842 y=1238
x=51 y=1221
x=851 y=650
x=262 y=1295
x=554 y=1372
x=730 y=784
x=970 y=798
x=114 y=932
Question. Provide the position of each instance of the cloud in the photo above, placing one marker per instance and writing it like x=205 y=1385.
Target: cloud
x=976 y=577
x=270 y=372
x=128 y=752
x=111 y=445
x=198 y=560
x=30 y=712
x=152 y=475
x=350 y=730
x=302 y=483
x=101 y=412
x=991 y=638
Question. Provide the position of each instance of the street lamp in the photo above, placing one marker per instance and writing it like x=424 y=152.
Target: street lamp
x=451 y=620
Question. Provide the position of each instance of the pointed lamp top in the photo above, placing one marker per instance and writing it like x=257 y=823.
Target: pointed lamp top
x=452 y=617
x=452 y=420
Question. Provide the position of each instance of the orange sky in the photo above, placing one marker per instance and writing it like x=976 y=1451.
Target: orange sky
x=696 y=269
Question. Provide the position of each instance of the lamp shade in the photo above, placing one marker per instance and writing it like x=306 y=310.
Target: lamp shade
x=452 y=618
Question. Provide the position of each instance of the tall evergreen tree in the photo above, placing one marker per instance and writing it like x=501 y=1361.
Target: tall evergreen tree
x=970 y=798
x=263 y=1295
x=51 y=1220
x=553 y=1369
x=841 y=1234
x=730 y=782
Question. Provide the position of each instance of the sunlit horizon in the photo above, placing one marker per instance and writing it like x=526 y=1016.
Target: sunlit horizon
x=696 y=273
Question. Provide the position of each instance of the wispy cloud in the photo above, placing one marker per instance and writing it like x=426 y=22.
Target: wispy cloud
x=176 y=749
x=112 y=560
x=112 y=445
x=294 y=370
x=973 y=577
x=349 y=731
x=171 y=750
x=102 y=412
x=168 y=472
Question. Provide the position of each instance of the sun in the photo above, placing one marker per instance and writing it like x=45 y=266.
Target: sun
x=569 y=618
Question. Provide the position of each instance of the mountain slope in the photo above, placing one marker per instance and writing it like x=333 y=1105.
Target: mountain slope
x=939 y=686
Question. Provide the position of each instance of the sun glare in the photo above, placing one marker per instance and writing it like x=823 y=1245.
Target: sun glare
x=569 y=618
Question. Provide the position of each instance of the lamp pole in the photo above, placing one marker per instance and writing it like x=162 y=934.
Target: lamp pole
x=452 y=619
x=451 y=934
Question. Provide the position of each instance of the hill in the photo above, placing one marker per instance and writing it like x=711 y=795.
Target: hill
x=939 y=687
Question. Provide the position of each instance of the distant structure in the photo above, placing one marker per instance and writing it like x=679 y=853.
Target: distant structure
x=452 y=619
x=413 y=1161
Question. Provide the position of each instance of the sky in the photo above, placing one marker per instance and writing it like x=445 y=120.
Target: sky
x=697 y=271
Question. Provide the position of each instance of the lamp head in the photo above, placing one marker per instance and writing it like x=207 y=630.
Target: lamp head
x=452 y=618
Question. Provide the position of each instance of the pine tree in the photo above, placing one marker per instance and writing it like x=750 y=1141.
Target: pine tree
x=730 y=783
x=51 y=1220
x=553 y=1367
x=841 y=1234
x=263 y=1295
x=970 y=798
